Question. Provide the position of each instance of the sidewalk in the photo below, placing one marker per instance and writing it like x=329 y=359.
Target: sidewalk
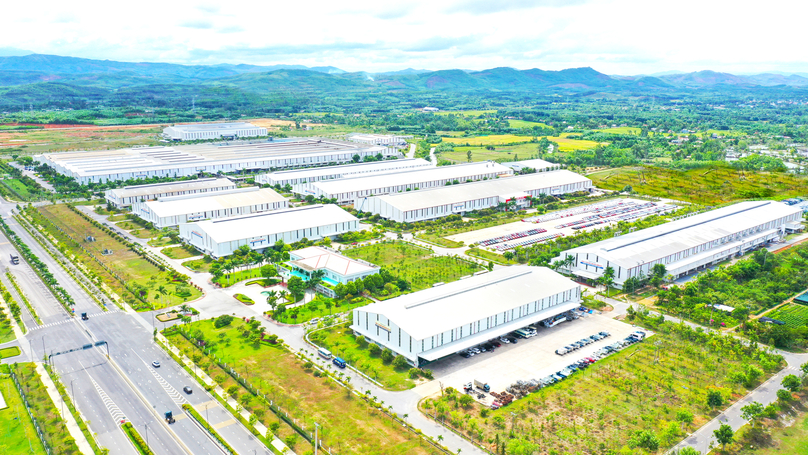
x=218 y=390
x=72 y=426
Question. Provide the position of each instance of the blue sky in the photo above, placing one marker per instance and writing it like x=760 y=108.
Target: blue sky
x=612 y=36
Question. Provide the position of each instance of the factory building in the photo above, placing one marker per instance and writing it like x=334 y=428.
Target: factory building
x=128 y=195
x=296 y=176
x=212 y=131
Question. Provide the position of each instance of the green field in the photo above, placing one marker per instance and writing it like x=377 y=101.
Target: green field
x=17 y=433
x=494 y=139
x=708 y=186
x=6 y=332
x=201 y=265
x=19 y=189
x=13 y=351
x=139 y=275
x=793 y=314
x=621 y=130
x=789 y=440
x=350 y=426
x=468 y=113
x=414 y=264
x=526 y=124
x=180 y=252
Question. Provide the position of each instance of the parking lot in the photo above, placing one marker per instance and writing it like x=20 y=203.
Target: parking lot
x=549 y=227
x=532 y=358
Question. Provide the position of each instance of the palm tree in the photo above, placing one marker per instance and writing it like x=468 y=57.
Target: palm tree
x=440 y=438
x=315 y=278
x=272 y=299
x=162 y=291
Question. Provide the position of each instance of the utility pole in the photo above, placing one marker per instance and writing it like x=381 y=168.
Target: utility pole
x=316 y=436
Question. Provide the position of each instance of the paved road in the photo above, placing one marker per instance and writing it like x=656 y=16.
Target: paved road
x=765 y=393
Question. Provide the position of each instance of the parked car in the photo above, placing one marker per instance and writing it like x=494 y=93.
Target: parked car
x=504 y=340
x=561 y=351
x=513 y=340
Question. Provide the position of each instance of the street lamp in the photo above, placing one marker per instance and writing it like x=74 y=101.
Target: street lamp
x=316 y=437
x=147 y=433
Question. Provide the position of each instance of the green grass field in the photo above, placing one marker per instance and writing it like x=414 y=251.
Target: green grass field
x=6 y=332
x=707 y=186
x=349 y=425
x=341 y=341
x=12 y=351
x=17 y=433
x=20 y=189
x=793 y=314
x=621 y=130
x=198 y=265
x=526 y=124
x=135 y=271
x=468 y=113
x=494 y=139
x=180 y=252
x=790 y=440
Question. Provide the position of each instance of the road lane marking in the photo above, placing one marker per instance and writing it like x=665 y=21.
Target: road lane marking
x=221 y=425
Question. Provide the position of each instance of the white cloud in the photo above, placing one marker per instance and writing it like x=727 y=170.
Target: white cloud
x=612 y=36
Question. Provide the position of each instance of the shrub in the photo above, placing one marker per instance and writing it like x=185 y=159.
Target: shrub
x=414 y=372
x=233 y=391
x=387 y=356
x=361 y=341
x=374 y=349
x=222 y=321
x=400 y=362
x=714 y=398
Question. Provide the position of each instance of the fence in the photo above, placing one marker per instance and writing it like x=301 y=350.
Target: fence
x=28 y=409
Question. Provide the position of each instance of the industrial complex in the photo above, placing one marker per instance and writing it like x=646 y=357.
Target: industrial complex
x=175 y=210
x=219 y=158
x=221 y=237
x=459 y=199
x=537 y=165
x=128 y=195
x=349 y=190
x=212 y=131
x=434 y=323
x=688 y=244
x=308 y=175
x=336 y=268
x=378 y=139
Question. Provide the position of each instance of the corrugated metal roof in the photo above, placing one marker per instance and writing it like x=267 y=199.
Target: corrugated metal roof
x=210 y=201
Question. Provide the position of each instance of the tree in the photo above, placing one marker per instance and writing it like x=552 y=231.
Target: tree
x=268 y=271
x=356 y=158
x=792 y=383
x=222 y=321
x=387 y=355
x=465 y=400
x=752 y=412
x=714 y=398
x=688 y=451
x=272 y=299
x=400 y=361
x=784 y=395
x=607 y=279
x=804 y=369
x=684 y=417
x=297 y=287
x=374 y=349
x=724 y=435
x=468 y=156
x=508 y=255
x=316 y=278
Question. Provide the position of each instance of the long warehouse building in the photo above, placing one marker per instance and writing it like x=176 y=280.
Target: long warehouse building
x=128 y=195
x=175 y=210
x=214 y=158
x=688 y=244
x=212 y=131
x=295 y=176
x=459 y=199
x=223 y=236
x=350 y=189
x=431 y=324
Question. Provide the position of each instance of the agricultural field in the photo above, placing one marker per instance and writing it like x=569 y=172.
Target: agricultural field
x=494 y=139
x=139 y=275
x=349 y=425
x=526 y=124
x=413 y=263
x=468 y=113
x=641 y=400
x=793 y=314
x=17 y=432
x=56 y=138
x=621 y=130
x=710 y=186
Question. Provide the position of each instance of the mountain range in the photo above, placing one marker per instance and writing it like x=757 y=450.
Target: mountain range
x=21 y=70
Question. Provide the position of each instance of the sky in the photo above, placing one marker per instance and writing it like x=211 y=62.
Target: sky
x=621 y=37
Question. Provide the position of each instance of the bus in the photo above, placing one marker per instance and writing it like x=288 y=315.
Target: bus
x=524 y=333
x=324 y=353
x=339 y=362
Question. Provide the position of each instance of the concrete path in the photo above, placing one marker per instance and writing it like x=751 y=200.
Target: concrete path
x=411 y=153
x=72 y=425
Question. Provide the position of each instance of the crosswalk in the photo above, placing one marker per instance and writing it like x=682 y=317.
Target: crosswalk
x=67 y=321
x=117 y=415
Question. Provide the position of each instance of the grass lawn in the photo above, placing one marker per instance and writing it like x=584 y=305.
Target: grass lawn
x=20 y=189
x=121 y=217
x=341 y=341
x=490 y=256
x=230 y=279
x=12 y=351
x=138 y=274
x=437 y=239
x=348 y=424
x=413 y=263
x=597 y=410
x=199 y=265
x=43 y=409
x=318 y=309
x=180 y=252
x=707 y=186
x=6 y=333
x=793 y=314
x=17 y=432
x=791 y=440
x=161 y=241
x=244 y=299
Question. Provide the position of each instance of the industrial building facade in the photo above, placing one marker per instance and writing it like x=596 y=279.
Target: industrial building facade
x=175 y=210
x=295 y=176
x=686 y=245
x=349 y=190
x=459 y=199
x=212 y=131
x=188 y=160
x=221 y=237
x=128 y=195
x=434 y=323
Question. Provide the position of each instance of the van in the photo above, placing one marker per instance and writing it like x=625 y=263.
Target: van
x=324 y=353
x=339 y=362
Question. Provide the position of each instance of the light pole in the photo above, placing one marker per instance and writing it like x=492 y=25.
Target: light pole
x=72 y=393
x=316 y=435
x=147 y=433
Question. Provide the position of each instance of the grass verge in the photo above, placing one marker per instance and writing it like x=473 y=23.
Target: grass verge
x=137 y=440
x=16 y=428
x=180 y=252
x=12 y=351
x=97 y=450
x=195 y=415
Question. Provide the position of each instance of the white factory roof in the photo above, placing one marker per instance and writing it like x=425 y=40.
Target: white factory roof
x=274 y=222
x=533 y=164
x=446 y=307
x=478 y=190
x=356 y=168
x=316 y=258
x=661 y=241
x=210 y=201
x=171 y=187
x=194 y=127
x=408 y=177
x=201 y=156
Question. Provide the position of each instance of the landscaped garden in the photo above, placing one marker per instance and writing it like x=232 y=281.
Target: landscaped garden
x=140 y=282
x=201 y=265
x=413 y=263
x=17 y=433
x=318 y=307
x=645 y=398
x=348 y=424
